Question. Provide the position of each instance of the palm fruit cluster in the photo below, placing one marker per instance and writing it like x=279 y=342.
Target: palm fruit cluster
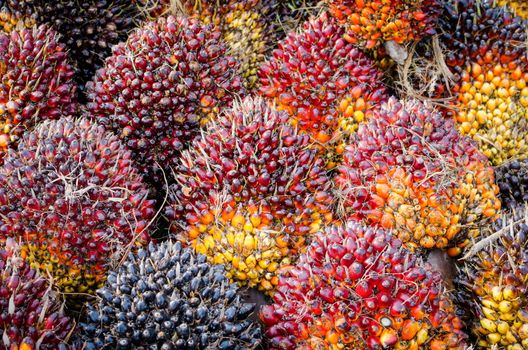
x=152 y=9
x=409 y=170
x=370 y=23
x=36 y=82
x=166 y=297
x=248 y=192
x=10 y=20
x=156 y=89
x=493 y=279
x=356 y=287
x=88 y=28
x=519 y=7
x=30 y=315
x=512 y=179
x=487 y=52
x=245 y=27
x=71 y=195
x=326 y=85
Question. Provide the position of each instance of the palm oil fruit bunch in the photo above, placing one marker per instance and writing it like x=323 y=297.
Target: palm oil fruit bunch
x=357 y=288
x=512 y=179
x=487 y=52
x=248 y=192
x=88 y=28
x=10 y=20
x=246 y=28
x=371 y=23
x=30 y=316
x=409 y=170
x=71 y=195
x=166 y=297
x=519 y=7
x=36 y=82
x=159 y=87
x=494 y=275
x=326 y=85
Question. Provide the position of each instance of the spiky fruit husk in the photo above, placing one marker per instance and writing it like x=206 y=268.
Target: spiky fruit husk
x=71 y=194
x=155 y=91
x=153 y=9
x=512 y=179
x=291 y=14
x=370 y=23
x=10 y=20
x=245 y=27
x=30 y=315
x=36 y=82
x=409 y=170
x=356 y=288
x=325 y=84
x=169 y=298
x=248 y=193
x=493 y=279
x=519 y=7
x=88 y=28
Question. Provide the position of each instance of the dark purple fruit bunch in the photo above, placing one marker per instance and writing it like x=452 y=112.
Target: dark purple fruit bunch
x=512 y=179
x=156 y=89
x=30 y=317
x=72 y=196
x=89 y=28
x=166 y=297
x=36 y=82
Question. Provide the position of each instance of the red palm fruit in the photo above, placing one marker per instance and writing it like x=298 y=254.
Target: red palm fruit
x=325 y=84
x=397 y=301
x=249 y=192
x=493 y=279
x=409 y=170
x=370 y=23
x=30 y=313
x=89 y=29
x=156 y=89
x=71 y=195
x=246 y=27
x=35 y=82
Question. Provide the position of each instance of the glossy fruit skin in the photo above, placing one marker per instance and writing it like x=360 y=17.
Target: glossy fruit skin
x=71 y=195
x=485 y=51
x=409 y=170
x=29 y=312
x=492 y=282
x=357 y=287
x=249 y=192
x=370 y=23
x=36 y=82
x=326 y=85
x=89 y=28
x=10 y=19
x=512 y=179
x=167 y=297
x=154 y=92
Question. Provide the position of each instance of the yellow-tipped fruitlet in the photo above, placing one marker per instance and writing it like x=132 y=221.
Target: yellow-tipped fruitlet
x=409 y=170
x=156 y=89
x=10 y=20
x=326 y=85
x=71 y=195
x=30 y=315
x=248 y=193
x=519 y=7
x=36 y=82
x=245 y=25
x=357 y=288
x=494 y=277
x=486 y=50
x=370 y=23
